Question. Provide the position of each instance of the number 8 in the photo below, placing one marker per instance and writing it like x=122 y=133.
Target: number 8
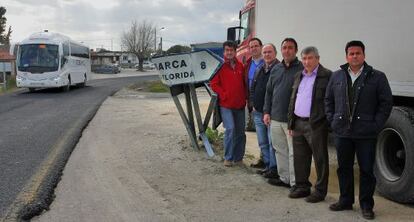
x=203 y=65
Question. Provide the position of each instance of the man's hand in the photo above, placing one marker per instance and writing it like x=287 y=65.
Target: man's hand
x=266 y=119
x=290 y=132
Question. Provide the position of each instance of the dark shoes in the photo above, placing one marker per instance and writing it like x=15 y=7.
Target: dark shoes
x=260 y=164
x=314 y=198
x=339 y=207
x=299 y=192
x=261 y=171
x=368 y=214
x=271 y=174
x=277 y=182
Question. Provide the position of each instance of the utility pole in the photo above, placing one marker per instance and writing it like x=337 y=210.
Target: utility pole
x=155 y=39
x=161 y=44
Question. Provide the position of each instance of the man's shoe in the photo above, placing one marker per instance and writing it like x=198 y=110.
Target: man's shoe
x=339 y=207
x=228 y=163
x=261 y=171
x=277 y=182
x=299 y=193
x=314 y=198
x=271 y=174
x=368 y=214
x=260 y=164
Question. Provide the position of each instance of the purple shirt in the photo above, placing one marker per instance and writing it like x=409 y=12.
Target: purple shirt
x=304 y=96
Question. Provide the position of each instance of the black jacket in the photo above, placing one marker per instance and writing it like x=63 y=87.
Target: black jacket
x=317 y=117
x=258 y=89
x=279 y=89
x=371 y=103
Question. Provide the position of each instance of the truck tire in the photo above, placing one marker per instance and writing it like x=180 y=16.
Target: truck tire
x=394 y=168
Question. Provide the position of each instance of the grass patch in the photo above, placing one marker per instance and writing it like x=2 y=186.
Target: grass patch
x=11 y=85
x=158 y=87
x=214 y=136
x=150 y=86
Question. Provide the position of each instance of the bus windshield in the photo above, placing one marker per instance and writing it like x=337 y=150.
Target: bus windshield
x=244 y=22
x=38 y=58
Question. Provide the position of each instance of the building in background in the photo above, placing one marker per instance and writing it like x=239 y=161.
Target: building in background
x=7 y=63
x=215 y=47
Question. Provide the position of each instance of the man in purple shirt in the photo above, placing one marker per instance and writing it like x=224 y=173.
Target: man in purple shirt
x=308 y=127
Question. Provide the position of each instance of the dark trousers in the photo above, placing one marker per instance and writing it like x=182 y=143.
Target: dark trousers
x=346 y=148
x=308 y=143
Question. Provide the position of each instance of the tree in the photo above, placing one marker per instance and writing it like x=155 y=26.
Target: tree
x=4 y=37
x=178 y=49
x=139 y=40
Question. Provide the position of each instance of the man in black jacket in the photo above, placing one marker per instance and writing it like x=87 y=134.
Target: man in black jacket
x=278 y=91
x=257 y=96
x=358 y=102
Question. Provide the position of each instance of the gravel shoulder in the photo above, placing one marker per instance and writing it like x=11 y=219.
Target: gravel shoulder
x=134 y=163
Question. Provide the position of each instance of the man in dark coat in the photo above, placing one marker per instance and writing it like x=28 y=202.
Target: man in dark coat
x=358 y=102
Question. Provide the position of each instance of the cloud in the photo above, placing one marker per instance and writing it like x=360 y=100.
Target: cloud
x=97 y=22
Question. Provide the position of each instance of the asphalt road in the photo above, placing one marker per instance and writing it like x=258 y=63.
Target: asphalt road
x=31 y=124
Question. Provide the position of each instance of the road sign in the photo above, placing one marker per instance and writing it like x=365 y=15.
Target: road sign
x=194 y=67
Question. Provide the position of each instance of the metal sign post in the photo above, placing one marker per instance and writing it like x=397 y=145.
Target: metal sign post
x=183 y=73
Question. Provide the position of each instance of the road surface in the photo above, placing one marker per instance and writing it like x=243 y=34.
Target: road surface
x=36 y=126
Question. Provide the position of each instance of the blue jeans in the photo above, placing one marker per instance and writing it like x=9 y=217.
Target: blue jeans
x=234 y=135
x=263 y=138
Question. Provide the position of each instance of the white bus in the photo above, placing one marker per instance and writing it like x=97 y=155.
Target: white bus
x=48 y=60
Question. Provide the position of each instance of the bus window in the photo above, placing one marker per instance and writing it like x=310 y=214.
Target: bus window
x=65 y=49
x=244 y=22
x=38 y=58
x=79 y=51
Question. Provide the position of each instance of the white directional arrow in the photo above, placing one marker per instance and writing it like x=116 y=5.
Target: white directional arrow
x=194 y=67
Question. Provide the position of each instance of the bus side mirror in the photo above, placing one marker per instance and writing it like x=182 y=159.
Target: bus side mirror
x=231 y=34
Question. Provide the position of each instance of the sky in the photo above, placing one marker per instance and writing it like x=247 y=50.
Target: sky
x=100 y=23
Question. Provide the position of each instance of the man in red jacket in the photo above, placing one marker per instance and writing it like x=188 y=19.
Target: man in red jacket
x=229 y=83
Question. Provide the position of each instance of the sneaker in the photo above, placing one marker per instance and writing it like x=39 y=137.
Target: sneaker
x=314 y=198
x=228 y=163
x=339 y=207
x=271 y=174
x=368 y=214
x=260 y=164
x=299 y=193
x=277 y=182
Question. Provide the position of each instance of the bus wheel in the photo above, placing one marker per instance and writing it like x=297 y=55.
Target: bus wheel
x=83 y=84
x=31 y=89
x=394 y=166
x=67 y=87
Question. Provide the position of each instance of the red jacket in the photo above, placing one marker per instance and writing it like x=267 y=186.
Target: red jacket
x=230 y=85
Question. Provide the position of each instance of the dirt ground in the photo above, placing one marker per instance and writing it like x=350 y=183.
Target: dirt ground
x=134 y=163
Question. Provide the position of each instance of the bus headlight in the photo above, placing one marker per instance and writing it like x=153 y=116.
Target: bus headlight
x=57 y=78
x=20 y=78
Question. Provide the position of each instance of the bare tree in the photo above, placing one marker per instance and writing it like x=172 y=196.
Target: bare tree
x=139 y=40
